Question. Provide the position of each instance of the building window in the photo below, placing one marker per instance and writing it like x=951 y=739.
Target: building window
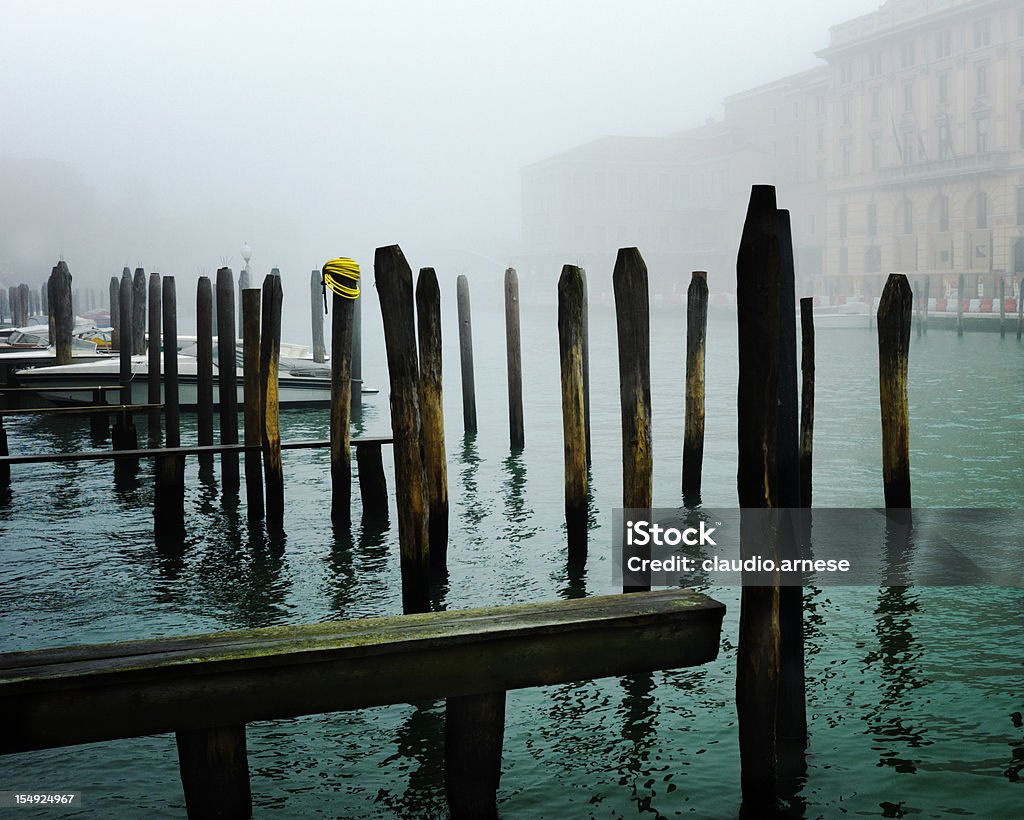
x=876 y=103
x=908 y=147
x=846 y=154
x=908 y=216
x=847 y=111
x=982 y=209
x=821 y=138
x=819 y=105
x=945 y=141
x=876 y=152
x=943 y=213
x=874 y=63
x=981 y=79
x=981 y=134
x=982 y=32
x=844 y=261
x=846 y=72
x=908 y=95
x=796 y=111
x=943 y=44
x=872 y=219
x=1020 y=204
x=842 y=221
x=943 y=88
x=907 y=54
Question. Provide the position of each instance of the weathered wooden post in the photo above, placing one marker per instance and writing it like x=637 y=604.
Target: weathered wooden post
x=466 y=355
x=124 y=434
x=959 y=306
x=342 y=309
x=26 y=305
x=169 y=470
x=893 y=353
x=204 y=367
x=574 y=440
x=4 y=307
x=357 y=357
x=215 y=772
x=139 y=312
x=586 y=365
x=153 y=380
x=758 y=656
x=253 y=401
x=316 y=312
x=373 y=484
x=806 y=398
x=693 y=424
x=51 y=319
x=428 y=315
x=243 y=284
x=63 y=315
x=172 y=410
x=270 y=422
x=393 y=280
x=99 y=423
x=115 y=313
x=632 y=319
x=1020 y=309
x=514 y=360
x=1002 y=307
x=227 y=377
x=474 y=731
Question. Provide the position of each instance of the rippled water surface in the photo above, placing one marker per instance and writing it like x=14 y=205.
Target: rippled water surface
x=914 y=695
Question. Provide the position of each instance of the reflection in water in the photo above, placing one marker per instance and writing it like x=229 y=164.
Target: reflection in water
x=473 y=511
x=420 y=740
x=518 y=514
x=638 y=713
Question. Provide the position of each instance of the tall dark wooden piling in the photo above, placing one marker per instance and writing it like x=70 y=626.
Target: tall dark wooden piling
x=215 y=773
x=574 y=440
x=514 y=361
x=124 y=434
x=632 y=320
x=586 y=365
x=227 y=377
x=172 y=412
x=253 y=401
x=758 y=656
x=115 y=312
x=169 y=495
x=64 y=318
x=393 y=280
x=316 y=314
x=466 y=355
x=373 y=484
x=270 y=421
x=139 y=312
x=428 y=316
x=4 y=307
x=474 y=732
x=806 y=398
x=153 y=381
x=693 y=424
x=341 y=408
x=26 y=304
x=959 y=305
x=357 y=356
x=1002 y=308
x=204 y=366
x=893 y=354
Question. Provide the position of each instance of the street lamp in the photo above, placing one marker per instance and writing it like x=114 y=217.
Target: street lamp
x=246 y=255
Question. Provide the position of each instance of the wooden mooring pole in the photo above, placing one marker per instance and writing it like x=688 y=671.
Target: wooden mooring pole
x=357 y=357
x=393 y=280
x=153 y=381
x=168 y=469
x=172 y=407
x=124 y=434
x=1002 y=308
x=64 y=318
x=139 y=312
x=893 y=353
x=342 y=309
x=316 y=315
x=466 y=355
x=514 y=361
x=586 y=365
x=227 y=377
x=632 y=319
x=428 y=316
x=474 y=732
x=574 y=441
x=693 y=424
x=1020 y=309
x=204 y=366
x=215 y=773
x=270 y=421
x=253 y=401
x=115 y=313
x=806 y=398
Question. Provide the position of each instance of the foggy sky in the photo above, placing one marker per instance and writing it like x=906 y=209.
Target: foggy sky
x=170 y=134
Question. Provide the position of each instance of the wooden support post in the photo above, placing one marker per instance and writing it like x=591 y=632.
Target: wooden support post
x=153 y=380
x=227 y=377
x=693 y=424
x=393 y=280
x=960 y=306
x=64 y=318
x=253 y=401
x=466 y=355
x=1020 y=309
x=115 y=312
x=474 y=731
x=893 y=352
x=172 y=412
x=632 y=319
x=514 y=360
x=270 y=421
x=99 y=423
x=435 y=466
x=204 y=365
x=342 y=309
x=215 y=773
x=1002 y=308
x=357 y=357
x=4 y=307
x=758 y=655
x=124 y=434
x=169 y=496
x=574 y=440
x=373 y=484
x=139 y=312
x=5 y=469
x=316 y=313
x=26 y=304
x=927 y=298
x=806 y=398
x=51 y=319
x=586 y=365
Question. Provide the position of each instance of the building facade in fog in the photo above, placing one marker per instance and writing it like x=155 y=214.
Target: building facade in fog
x=904 y=151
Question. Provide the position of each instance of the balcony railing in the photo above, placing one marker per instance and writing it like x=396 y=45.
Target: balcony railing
x=968 y=165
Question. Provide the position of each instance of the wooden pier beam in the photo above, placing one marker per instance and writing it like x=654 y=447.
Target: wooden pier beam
x=270 y=421
x=253 y=400
x=153 y=381
x=316 y=315
x=893 y=353
x=227 y=377
x=393 y=280
x=428 y=315
x=466 y=355
x=693 y=424
x=342 y=310
x=574 y=440
x=63 y=315
x=514 y=361
x=204 y=366
x=215 y=773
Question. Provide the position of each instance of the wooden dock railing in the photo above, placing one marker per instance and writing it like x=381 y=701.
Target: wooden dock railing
x=207 y=687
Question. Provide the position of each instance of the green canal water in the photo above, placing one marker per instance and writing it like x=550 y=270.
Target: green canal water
x=915 y=695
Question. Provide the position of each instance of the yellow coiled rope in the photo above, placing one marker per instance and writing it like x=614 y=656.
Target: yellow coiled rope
x=335 y=272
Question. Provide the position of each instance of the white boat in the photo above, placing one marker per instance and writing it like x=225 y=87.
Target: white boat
x=849 y=315
x=301 y=382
